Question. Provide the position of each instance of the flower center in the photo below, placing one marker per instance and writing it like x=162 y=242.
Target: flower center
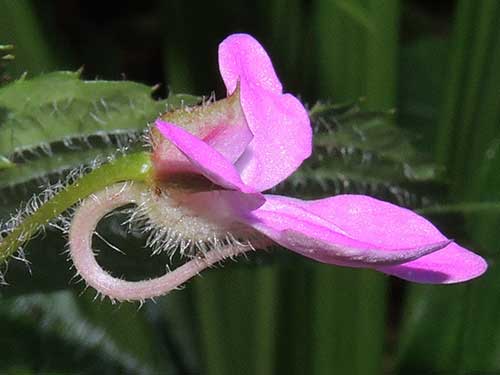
x=176 y=218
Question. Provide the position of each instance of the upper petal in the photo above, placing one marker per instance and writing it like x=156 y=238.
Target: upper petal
x=242 y=57
x=279 y=122
x=221 y=124
x=360 y=231
x=201 y=158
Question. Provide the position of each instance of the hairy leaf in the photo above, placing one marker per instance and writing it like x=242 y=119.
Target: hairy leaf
x=363 y=152
x=58 y=107
x=48 y=123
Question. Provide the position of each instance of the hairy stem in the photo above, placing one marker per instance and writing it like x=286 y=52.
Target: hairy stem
x=134 y=167
x=88 y=215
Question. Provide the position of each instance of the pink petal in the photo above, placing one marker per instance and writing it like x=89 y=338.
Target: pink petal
x=454 y=264
x=359 y=231
x=223 y=206
x=230 y=140
x=241 y=57
x=202 y=158
x=221 y=124
x=282 y=138
x=287 y=222
x=280 y=124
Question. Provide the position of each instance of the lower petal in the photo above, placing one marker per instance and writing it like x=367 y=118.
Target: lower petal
x=451 y=265
x=359 y=231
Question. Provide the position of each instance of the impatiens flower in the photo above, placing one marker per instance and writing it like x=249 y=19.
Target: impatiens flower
x=205 y=198
x=257 y=138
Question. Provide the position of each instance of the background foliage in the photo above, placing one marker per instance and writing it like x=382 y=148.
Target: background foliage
x=435 y=63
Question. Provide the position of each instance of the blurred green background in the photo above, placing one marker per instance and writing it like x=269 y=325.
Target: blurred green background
x=434 y=62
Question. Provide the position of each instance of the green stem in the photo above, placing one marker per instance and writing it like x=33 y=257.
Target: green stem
x=136 y=167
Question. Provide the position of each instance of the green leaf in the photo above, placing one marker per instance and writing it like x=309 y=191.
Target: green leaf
x=20 y=25
x=362 y=151
x=59 y=107
x=332 y=110
x=369 y=132
x=57 y=117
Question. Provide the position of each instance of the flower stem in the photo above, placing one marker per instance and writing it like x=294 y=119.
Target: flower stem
x=135 y=167
x=90 y=212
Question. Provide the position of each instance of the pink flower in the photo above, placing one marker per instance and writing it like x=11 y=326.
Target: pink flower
x=256 y=139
